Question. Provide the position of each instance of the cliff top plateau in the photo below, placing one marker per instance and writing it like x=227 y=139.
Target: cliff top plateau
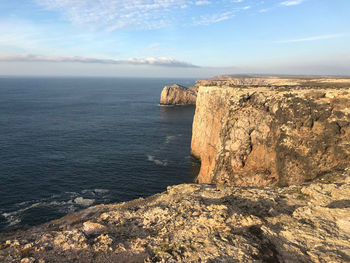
x=266 y=80
x=179 y=95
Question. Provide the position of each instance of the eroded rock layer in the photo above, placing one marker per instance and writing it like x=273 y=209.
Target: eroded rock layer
x=178 y=95
x=199 y=223
x=258 y=136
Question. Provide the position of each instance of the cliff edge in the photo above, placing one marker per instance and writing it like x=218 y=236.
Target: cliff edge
x=199 y=223
x=272 y=135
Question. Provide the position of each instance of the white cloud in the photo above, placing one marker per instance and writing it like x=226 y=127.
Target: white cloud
x=111 y=15
x=202 y=2
x=116 y=14
x=264 y=10
x=162 y=61
x=218 y=17
x=292 y=2
x=314 y=38
x=215 y=18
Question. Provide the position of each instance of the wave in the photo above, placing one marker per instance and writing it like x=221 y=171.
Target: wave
x=84 y=202
x=67 y=202
x=151 y=158
x=170 y=138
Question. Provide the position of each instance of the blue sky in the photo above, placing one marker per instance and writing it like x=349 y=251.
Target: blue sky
x=174 y=38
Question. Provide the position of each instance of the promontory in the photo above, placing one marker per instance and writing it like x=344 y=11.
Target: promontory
x=274 y=185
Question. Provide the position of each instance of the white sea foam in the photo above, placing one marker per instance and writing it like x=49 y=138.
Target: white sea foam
x=12 y=221
x=172 y=105
x=156 y=161
x=66 y=202
x=94 y=192
x=169 y=139
x=161 y=105
x=101 y=191
x=84 y=202
x=13 y=218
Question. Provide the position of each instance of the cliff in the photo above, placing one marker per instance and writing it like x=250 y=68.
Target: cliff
x=199 y=223
x=178 y=95
x=272 y=135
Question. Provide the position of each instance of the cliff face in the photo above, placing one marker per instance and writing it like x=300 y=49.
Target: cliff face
x=178 y=95
x=258 y=136
x=199 y=223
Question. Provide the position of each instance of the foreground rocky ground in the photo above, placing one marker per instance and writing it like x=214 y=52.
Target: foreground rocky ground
x=200 y=223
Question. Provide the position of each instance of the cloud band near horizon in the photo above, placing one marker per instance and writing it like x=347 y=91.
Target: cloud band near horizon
x=150 y=61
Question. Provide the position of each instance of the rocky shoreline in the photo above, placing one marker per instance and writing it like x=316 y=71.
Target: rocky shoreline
x=200 y=223
x=252 y=136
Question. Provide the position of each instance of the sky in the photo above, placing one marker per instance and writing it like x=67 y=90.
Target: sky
x=174 y=38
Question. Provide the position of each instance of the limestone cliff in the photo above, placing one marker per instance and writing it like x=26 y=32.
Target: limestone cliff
x=199 y=223
x=272 y=135
x=178 y=95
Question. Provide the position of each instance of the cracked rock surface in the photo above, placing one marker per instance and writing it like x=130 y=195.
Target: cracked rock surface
x=199 y=223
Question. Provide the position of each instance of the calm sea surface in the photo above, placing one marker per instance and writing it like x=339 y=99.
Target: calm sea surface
x=69 y=143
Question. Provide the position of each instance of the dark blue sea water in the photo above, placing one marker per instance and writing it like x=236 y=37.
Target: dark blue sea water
x=69 y=143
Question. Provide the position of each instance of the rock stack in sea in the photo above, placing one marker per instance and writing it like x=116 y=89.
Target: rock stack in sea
x=178 y=95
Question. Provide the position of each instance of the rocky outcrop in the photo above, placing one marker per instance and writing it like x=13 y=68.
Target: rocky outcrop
x=199 y=223
x=280 y=135
x=178 y=95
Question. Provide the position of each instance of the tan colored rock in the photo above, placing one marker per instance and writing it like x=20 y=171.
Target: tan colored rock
x=203 y=223
x=178 y=95
x=273 y=81
x=206 y=129
x=258 y=136
x=28 y=260
x=91 y=228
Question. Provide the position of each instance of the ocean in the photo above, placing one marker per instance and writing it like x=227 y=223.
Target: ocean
x=70 y=143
